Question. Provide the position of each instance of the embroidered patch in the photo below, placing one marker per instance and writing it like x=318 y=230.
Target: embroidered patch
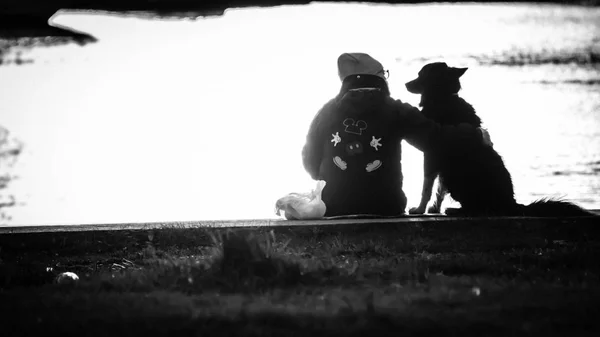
x=375 y=142
x=373 y=165
x=354 y=148
x=355 y=127
x=340 y=163
x=336 y=139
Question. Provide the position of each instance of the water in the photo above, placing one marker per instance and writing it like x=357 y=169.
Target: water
x=173 y=120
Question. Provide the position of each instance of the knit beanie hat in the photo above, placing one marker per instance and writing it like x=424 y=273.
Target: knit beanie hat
x=358 y=63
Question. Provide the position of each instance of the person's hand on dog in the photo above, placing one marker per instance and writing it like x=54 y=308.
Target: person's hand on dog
x=486 y=137
x=486 y=140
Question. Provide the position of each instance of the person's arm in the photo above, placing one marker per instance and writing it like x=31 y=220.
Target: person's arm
x=425 y=134
x=312 y=152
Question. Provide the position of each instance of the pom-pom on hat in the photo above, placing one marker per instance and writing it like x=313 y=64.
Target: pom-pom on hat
x=359 y=64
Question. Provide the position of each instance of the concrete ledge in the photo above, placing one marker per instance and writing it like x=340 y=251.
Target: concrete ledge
x=271 y=223
x=43 y=242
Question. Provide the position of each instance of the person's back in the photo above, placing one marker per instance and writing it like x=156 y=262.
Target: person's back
x=361 y=156
x=352 y=146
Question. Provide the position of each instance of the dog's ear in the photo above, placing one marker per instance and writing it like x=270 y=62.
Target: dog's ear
x=458 y=72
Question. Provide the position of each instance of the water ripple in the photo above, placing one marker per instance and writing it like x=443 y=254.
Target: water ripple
x=540 y=58
x=595 y=81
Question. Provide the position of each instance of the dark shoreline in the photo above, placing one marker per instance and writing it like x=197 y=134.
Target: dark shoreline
x=25 y=22
x=34 y=14
x=209 y=7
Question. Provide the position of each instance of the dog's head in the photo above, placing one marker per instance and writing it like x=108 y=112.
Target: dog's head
x=436 y=78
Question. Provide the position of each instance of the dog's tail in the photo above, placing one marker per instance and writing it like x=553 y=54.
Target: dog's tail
x=547 y=207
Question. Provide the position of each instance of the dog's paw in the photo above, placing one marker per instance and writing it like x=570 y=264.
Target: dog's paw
x=416 y=210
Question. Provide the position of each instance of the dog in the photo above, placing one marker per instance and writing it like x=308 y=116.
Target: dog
x=438 y=85
x=478 y=178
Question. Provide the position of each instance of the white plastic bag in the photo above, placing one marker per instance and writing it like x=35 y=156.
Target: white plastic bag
x=302 y=206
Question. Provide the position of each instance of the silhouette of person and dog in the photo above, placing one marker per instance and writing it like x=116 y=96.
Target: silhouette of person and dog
x=354 y=145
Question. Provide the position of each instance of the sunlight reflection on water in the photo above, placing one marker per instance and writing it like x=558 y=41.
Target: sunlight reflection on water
x=184 y=120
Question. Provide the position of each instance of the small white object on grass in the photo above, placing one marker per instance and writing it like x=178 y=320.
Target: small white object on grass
x=67 y=278
x=303 y=206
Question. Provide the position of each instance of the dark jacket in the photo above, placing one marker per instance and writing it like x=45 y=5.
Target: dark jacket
x=354 y=145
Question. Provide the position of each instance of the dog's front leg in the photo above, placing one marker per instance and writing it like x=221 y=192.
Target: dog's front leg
x=439 y=198
x=430 y=172
x=425 y=195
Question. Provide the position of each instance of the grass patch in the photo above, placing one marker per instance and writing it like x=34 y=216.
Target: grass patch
x=420 y=280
